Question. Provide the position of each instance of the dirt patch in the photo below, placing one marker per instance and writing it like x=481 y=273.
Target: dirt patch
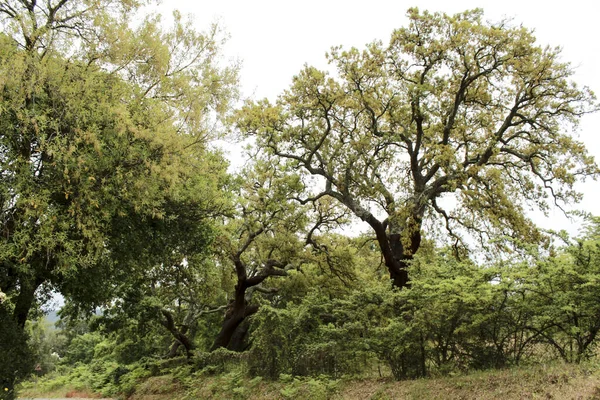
x=77 y=394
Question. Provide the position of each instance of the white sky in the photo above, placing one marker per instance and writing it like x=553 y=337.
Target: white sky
x=274 y=39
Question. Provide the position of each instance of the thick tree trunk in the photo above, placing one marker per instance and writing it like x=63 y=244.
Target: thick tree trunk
x=399 y=275
x=397 y=258
x=238 y=311
x=233 y=331
x=231 y=323
x=16 y=358
x=238 y=341
x=25 y=300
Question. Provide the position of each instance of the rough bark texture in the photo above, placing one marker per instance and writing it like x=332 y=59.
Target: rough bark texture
x=25 y=301
x=238 y=311
x=232 y=332
x=178 y=334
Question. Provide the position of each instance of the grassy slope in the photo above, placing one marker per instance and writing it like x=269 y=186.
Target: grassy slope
x=540 y=382
x=555 y=382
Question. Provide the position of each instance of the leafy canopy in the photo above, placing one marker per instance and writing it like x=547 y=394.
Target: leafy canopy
x=105 y=131
x=452 y=107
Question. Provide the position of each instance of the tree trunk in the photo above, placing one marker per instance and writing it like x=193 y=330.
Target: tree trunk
x=232 y=321
x=238 y=340
x=179 y=335
x=177 y=343
x=238 y=311
x=397 y=258
x=25 y=300
x=173 y=349
x=16 y=358
x=232 y=332
x=398 y=273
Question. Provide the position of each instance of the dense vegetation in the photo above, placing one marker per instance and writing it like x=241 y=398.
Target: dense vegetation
x=174 y=268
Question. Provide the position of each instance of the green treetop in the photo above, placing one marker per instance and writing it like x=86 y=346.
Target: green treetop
x=452 y=105
x=103 y=134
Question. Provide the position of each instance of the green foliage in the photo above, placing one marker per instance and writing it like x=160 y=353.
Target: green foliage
x=111 y=195
x=99 y=376
x=47 y=344
x=219 y=361
x=16 y=357
x=453 y=107
x=271 y=351
x=316 y=337
x=321 y=388
x=564 y=293
x=456 y=317
x=105 y=164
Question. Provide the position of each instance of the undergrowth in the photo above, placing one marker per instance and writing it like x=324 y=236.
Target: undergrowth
x=551 y=381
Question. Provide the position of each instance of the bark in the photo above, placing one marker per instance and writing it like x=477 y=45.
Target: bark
x=396 y=257
x=232 y=321
x=177 y=343
x=238 y=311
x=25 y=300
x=16 y=358
x=173 y=349
x=179 y=335
x=238 y=341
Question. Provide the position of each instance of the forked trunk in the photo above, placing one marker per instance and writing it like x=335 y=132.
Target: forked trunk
x=238 y=311
x=230 y=336
x=398 y=258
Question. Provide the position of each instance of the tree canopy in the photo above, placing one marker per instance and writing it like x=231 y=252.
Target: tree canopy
x=453 y=107
x=104 y=157
x=113 y=195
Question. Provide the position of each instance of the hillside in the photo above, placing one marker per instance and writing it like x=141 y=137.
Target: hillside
x=558 y=381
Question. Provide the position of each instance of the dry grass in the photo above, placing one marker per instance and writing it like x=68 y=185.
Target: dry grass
x=81 y=394
x=559 y=381
x=541 y=382
x=158 y=388
x=59 y=393
x=556 y=382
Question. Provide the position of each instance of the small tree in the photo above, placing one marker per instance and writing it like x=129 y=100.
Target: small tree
x=260 y=239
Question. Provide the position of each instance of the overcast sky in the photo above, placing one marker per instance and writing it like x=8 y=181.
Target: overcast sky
x=274 y=39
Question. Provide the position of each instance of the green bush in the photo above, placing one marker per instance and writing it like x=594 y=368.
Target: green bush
x=219 y=361
x=320 y=388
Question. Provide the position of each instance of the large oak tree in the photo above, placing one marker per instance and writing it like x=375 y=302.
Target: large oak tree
x=452 y=105
x=103 y=137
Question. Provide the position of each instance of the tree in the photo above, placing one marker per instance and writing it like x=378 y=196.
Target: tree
x=175 y=293
x=453 y=107
x=104 y=130
x=266 y=236
x=260 y=240
x=15 y=358
x=564 y=293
